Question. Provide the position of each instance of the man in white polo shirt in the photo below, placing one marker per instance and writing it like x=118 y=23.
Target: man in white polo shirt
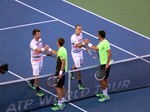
x=76 y=51
x=36 y=47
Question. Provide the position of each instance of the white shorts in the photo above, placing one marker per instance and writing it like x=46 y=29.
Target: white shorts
x=78 y=60
x=37 y=67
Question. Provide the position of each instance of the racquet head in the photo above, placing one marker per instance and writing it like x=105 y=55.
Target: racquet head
x=52 y=81
x=100 y=74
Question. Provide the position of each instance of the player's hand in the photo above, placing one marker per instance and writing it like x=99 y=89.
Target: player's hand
x=46 y=47
x=59 y=76
x=86 y=41
x=107 y=66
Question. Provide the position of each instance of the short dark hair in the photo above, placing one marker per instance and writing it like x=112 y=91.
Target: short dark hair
x=61 y=41
x=34 y=31
x=77 y=25
x=102 y=33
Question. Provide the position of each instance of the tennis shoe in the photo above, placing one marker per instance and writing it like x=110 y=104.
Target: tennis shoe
x=72 y=76
x=80 y=87
x=56 y=104
x=40 y=94
x=104 y=98
x=100 y=95
x=54 y=108
x=31 y=86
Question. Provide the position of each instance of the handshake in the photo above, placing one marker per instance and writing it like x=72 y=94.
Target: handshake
x=86 y=41
x=46 y=47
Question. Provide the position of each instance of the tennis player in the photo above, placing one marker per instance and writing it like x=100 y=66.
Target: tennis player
x=105 y=58
x=77 y=55
x=61 y=68
x=36 y=48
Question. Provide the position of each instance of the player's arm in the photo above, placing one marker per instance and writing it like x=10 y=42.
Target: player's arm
x=63 y=61
x=52 y=51
x=48 y=49
x=93 y=47
x=86 y=41
x=108 y=58
x=39 y=50
x=79 y=45
x=63 y=64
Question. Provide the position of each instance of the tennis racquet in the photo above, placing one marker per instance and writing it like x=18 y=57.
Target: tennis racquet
x=101 y=72
x=53 y=80
x=92 y=52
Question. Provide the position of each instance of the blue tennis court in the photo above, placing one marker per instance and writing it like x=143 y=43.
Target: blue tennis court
x=57 y=18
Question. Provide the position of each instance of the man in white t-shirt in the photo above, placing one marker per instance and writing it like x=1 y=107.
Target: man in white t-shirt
x=76 y=51
x=36 y=48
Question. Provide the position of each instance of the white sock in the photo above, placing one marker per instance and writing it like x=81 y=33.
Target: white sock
x=63 y=100
x=105 y=92
x=59 y=103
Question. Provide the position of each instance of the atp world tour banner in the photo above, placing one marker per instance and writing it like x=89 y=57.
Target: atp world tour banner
x=127 y=75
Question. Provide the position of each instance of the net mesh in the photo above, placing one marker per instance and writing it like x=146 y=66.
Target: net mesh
x=124 y=75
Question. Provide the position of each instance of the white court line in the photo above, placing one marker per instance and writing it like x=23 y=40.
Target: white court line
x=73 y=27
x=47 y=91
x=30 y=24
x=106 y=19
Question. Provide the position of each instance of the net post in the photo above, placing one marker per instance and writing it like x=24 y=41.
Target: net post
x=69 y=86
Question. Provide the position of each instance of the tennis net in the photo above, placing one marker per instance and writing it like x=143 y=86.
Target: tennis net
x=124 y=75
x=16 y=96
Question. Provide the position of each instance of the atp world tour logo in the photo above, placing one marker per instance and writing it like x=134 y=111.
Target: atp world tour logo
x=75 y=94
x=30 y=104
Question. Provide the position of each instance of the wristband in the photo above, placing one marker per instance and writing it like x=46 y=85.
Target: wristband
x=60 y=72
x=83 y=43
x=49 y=49
x=42 y=49
x=90 y=45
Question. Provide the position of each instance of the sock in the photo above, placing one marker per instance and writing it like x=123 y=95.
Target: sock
x=59 y=103
x=79 y=81
x=37 y=89
x=32 y=81
x=105 y=92
x=63 y=100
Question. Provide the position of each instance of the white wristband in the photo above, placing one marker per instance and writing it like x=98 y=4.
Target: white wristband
x=60 y=72
x=49 y=49
x=83 y=43
x=42 y=49
x=90 y=45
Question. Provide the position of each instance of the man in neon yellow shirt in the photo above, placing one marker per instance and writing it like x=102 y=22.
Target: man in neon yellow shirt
x=61 y=68
x=105 y=57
